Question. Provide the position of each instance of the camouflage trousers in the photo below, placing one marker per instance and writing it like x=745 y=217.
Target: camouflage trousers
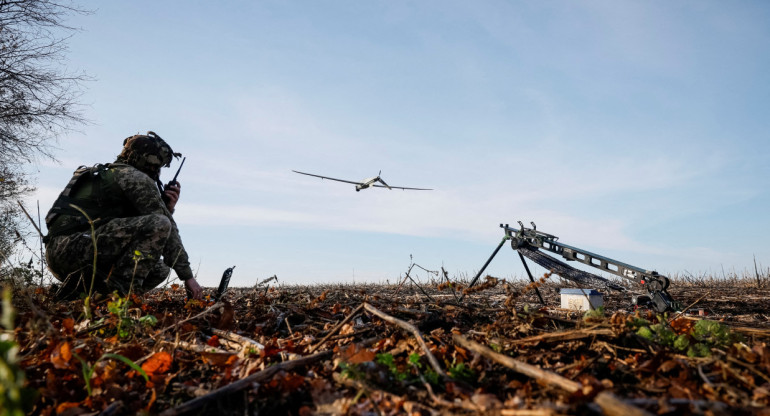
x=129 y=252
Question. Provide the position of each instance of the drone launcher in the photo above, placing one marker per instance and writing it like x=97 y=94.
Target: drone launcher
x=533 y=244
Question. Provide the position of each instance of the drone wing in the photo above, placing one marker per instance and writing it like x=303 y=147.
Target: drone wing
x=404 y=188
x=326 y=177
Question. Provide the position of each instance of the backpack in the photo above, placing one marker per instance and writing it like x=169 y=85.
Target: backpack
x=92 y=190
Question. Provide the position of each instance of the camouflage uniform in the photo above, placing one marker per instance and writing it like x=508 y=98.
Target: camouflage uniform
x=137 y=239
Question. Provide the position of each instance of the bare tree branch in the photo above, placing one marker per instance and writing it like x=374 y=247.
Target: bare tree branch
x=39 y=97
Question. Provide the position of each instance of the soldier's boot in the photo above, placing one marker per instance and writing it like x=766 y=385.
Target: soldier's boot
x=78 y=283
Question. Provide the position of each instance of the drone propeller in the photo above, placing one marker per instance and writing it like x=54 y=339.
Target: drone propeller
x=383 y=182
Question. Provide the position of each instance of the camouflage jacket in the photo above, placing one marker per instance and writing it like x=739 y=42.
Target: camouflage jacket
x=124 y=192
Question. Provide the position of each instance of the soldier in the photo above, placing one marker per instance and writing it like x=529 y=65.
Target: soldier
x=137 y=240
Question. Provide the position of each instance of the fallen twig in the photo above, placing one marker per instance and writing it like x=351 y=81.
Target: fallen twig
x=205 y=312
x=337 y=327
x=350 y=335
x=361 y=385
x=610 y=404
x=451 y=285
x=244 y=382
x=199 y=348
x=245 y=342
x=519 y=366
x=687 y=308
x=564 y=335
x=466 y=405
x=411 y=328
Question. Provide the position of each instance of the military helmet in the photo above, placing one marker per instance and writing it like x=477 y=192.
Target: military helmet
x=147 y=152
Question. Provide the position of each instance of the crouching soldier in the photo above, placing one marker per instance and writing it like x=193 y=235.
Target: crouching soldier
x=137 y=240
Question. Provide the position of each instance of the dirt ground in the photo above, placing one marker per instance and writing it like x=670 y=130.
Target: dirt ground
x=388 y=349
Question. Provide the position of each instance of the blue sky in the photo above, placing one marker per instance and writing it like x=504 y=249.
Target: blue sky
x=634 y=129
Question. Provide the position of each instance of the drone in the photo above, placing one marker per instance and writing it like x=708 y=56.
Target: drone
x=366 y=182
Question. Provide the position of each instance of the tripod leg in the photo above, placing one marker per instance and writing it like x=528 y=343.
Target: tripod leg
x=531 y=279
x=473 y=282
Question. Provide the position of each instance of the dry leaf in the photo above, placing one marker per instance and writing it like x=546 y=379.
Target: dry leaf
x=69 y=408
x=355 y=355
x=227 y=317
x=61 y=355
x=213 y=341
x=219 y=359
x=486 y=401
x=159 y=363
x=68 y=324
x=682 y=325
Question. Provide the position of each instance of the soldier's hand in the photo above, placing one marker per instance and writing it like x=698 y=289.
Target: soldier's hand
x=172 y=195
x=194 y=290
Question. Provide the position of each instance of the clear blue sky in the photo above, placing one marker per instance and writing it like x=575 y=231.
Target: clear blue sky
x=634 y=129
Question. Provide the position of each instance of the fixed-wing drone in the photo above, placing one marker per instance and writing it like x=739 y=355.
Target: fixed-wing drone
x=365 y=183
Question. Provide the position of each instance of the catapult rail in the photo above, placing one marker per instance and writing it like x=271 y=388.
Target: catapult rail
x=530 y=243
x=549 y=242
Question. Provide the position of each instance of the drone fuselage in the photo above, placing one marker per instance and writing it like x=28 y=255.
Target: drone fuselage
x=367 y=183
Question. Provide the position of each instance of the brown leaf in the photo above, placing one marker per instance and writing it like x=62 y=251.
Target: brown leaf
x=68 y=324
x=69 y=408
x=462 y=353
x=228 y=316
x=213 y=341
x=486 y=401
x=668 y=366
x=355 y=355
x=746 y=353
x=136 y=300
x=291 y=382
x=270 y=350
x=682 y=325
x=61 y=355
x=760 y=394
x=158 y=363
x=219 y=359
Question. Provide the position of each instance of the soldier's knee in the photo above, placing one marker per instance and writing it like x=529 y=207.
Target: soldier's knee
x=156 y=224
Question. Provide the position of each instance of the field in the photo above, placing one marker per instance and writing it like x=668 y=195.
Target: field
x=389 y=349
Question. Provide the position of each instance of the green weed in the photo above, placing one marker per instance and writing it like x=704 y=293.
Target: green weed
x=88 y=370
x=461 y=371
x=351 y=371
x=596 y=314
x=388 y=360
x=696 y=343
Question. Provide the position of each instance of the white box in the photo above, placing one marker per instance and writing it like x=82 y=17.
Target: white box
x=577 y=299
